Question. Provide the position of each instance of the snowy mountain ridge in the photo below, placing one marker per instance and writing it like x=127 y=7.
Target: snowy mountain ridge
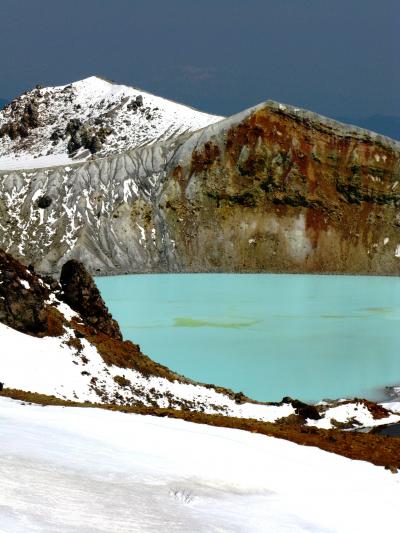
x=242 y=194
x=88 y=118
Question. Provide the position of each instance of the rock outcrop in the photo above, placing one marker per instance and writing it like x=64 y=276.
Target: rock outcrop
x=80 y=292
x=284 y=190
x=22 y=298
x=27 y=301
x=273 y=189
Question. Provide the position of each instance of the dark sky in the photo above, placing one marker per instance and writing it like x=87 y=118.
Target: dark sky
x=337 y=57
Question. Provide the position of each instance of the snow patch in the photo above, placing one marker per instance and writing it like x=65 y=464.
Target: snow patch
x=25 y=283
x=346 y=412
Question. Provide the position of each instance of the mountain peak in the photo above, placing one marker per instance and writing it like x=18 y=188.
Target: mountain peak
x=88 y=118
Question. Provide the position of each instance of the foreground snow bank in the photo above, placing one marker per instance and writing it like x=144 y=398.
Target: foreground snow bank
x=87 y=470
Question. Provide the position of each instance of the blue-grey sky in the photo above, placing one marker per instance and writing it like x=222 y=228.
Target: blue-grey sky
x=337 y=57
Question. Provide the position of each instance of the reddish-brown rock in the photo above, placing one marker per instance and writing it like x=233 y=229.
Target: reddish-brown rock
x=285 y=190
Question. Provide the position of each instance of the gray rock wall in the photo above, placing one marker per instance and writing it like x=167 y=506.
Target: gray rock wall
x=101 y=212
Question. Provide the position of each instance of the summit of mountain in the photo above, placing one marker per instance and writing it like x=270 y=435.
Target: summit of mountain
x=89 y=118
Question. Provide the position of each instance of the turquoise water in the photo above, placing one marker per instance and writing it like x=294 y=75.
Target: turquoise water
x=309 y=337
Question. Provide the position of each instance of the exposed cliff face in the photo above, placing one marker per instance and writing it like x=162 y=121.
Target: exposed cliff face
x=271 y=189
x=80 y=292
x=22 y=298
x=281 y=190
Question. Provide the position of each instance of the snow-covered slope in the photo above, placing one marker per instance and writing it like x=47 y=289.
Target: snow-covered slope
x=87 y=470
x=78 y=353
x=53 y=366
x=92 y=117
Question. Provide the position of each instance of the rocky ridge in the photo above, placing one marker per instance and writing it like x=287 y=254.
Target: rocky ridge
x=272 y=189
x=90 y=118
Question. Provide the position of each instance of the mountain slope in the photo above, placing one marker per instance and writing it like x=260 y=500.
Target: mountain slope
x=274 y=188
x=89 y=118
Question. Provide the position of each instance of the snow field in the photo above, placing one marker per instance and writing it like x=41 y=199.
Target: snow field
x=70 y=469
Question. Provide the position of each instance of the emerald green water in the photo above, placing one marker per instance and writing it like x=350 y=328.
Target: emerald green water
x=309 y=337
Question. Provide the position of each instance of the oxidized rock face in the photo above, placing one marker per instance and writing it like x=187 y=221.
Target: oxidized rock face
x=81 y=294
x=284 y=190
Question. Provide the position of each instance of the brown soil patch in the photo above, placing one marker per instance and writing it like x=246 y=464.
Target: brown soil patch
x=55 y=322
x=124 y=354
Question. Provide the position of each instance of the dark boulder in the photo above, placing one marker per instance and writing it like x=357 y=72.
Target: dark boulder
x=304 y=410
x=94 y=145
x=73 y=126
x=56 y=136
x=83 y=136
x=44 y=202
x=30 y=117
x=79 y=291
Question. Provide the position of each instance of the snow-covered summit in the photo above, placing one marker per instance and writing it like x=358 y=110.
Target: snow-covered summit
x=92 y=117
